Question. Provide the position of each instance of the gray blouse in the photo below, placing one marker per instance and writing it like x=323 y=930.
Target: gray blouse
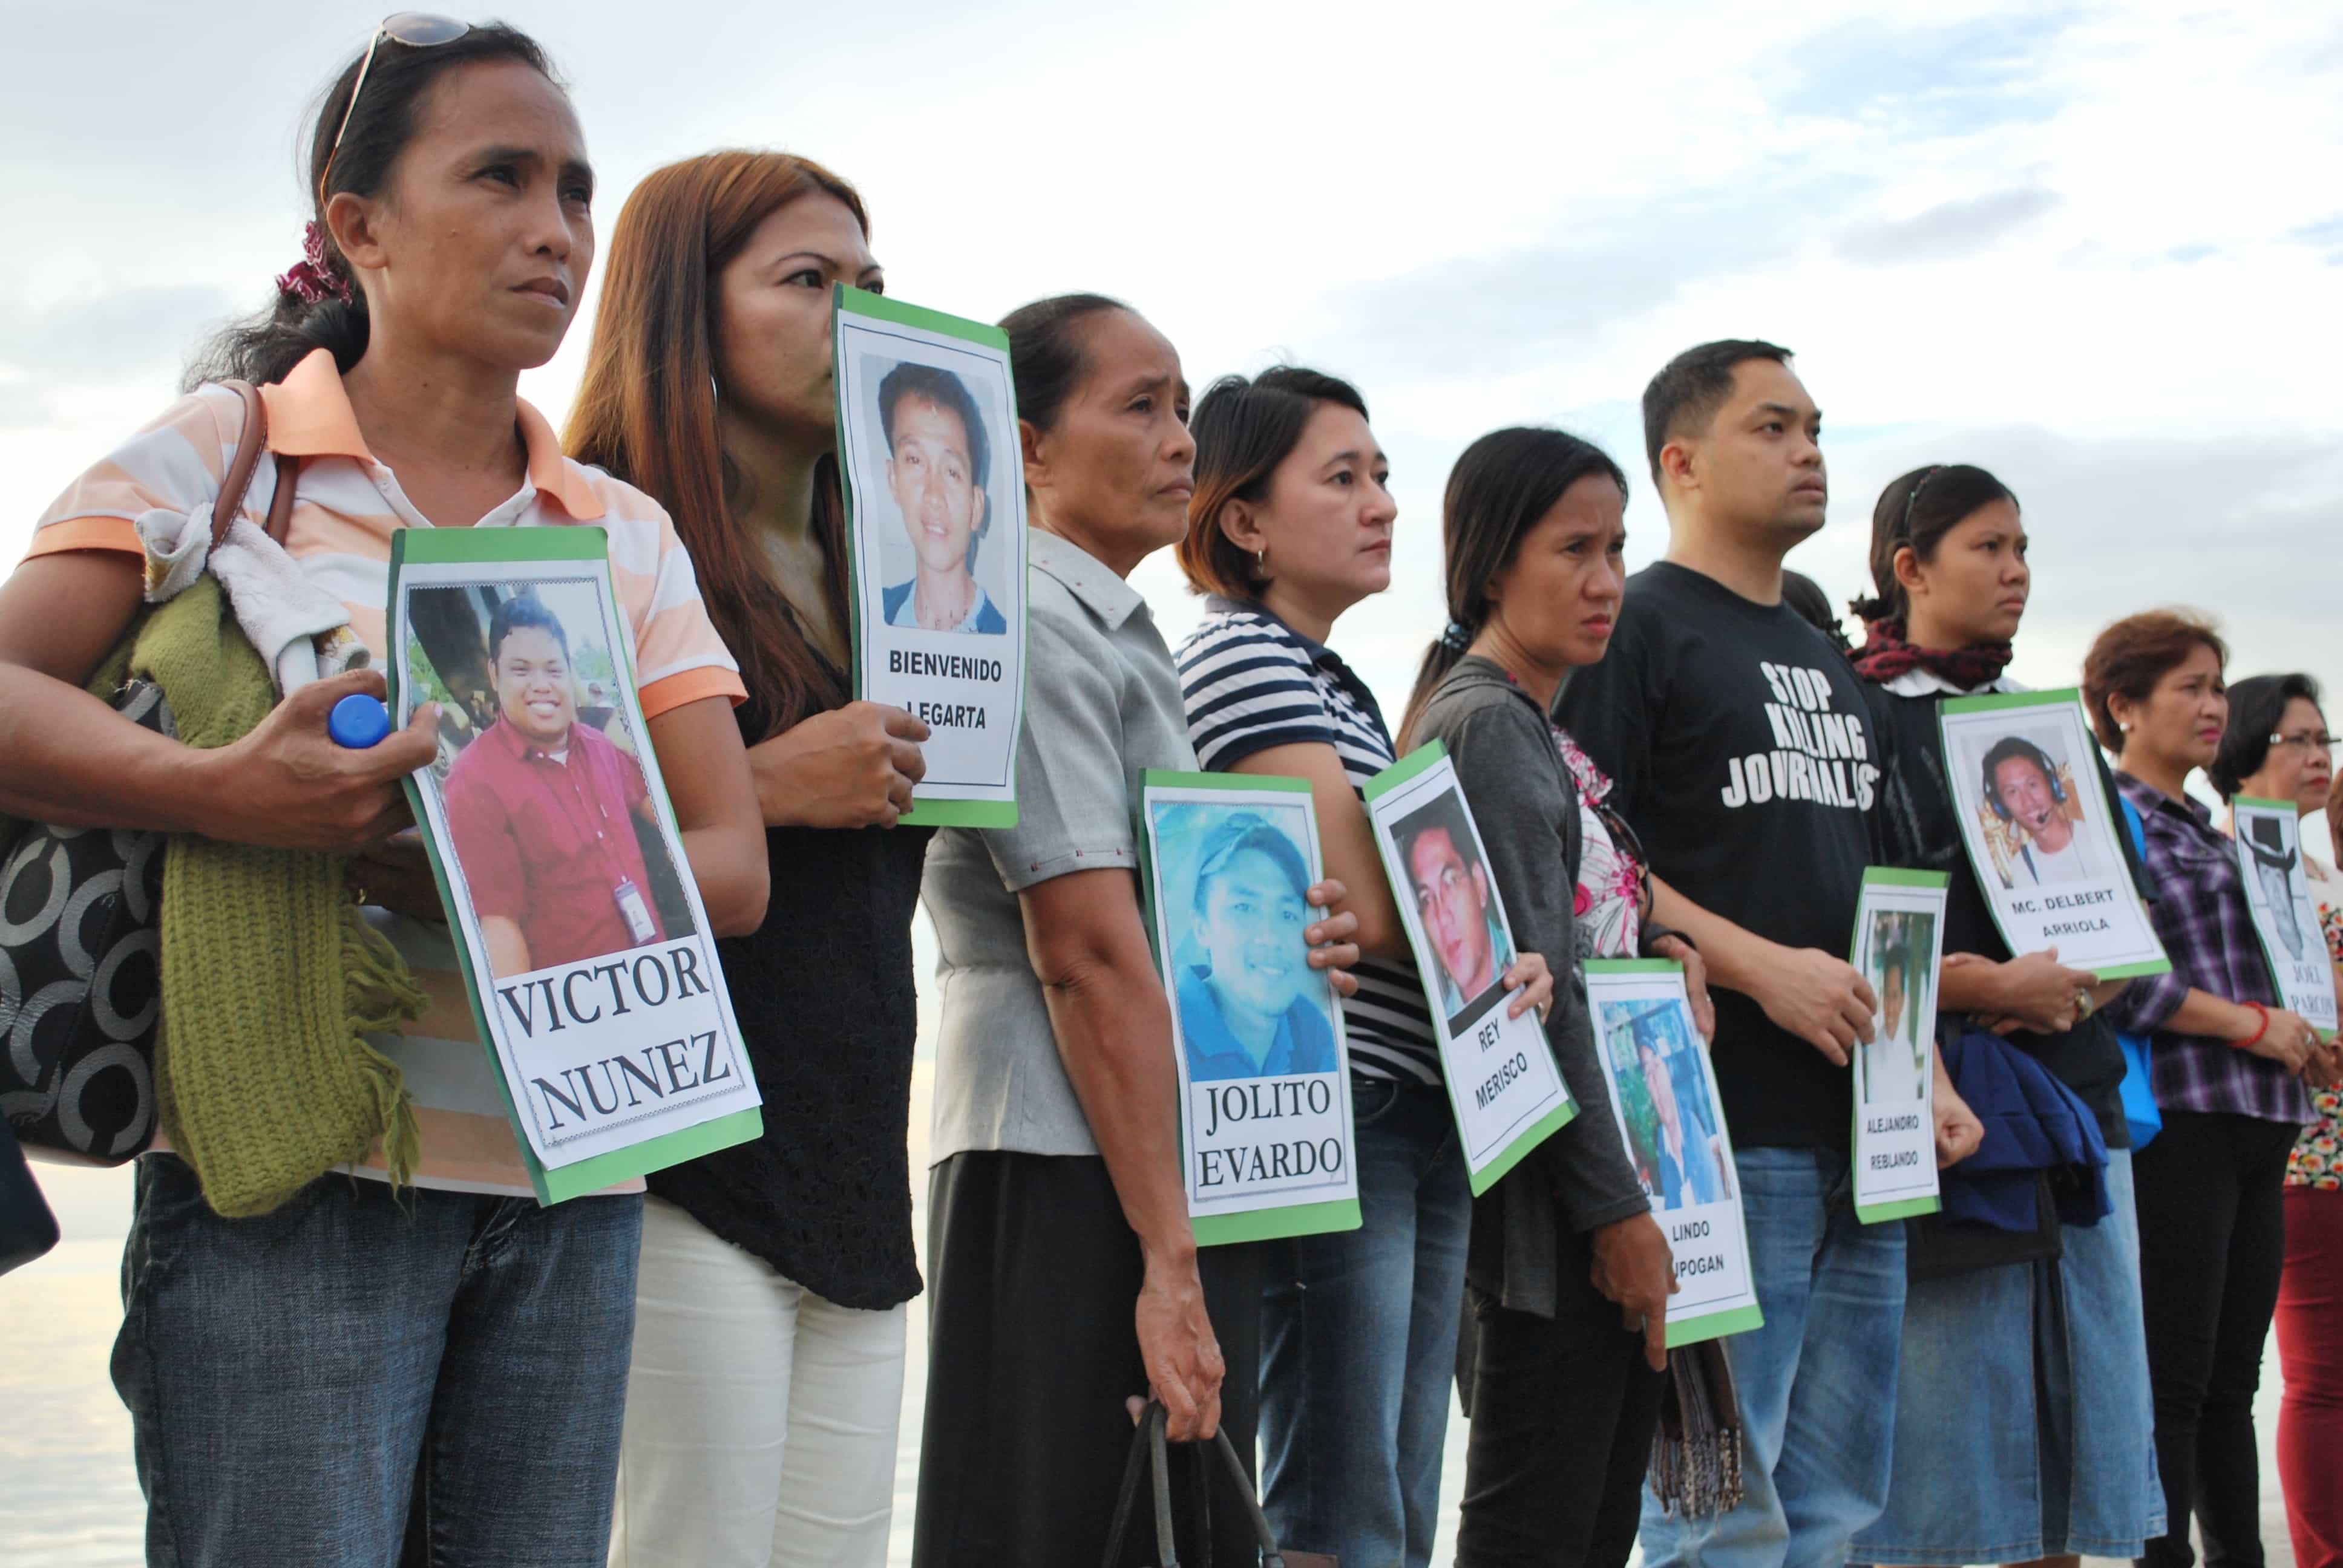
x=1102 y=704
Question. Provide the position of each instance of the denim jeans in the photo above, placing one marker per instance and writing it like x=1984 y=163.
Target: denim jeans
x=1818 y=1382
x=1359 y=1342
x=297 y=1381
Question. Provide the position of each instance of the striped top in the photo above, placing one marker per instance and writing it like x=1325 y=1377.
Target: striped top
x=347 y=506
x=1252 y=682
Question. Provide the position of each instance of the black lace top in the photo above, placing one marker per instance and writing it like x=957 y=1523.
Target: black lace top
x=823 y=992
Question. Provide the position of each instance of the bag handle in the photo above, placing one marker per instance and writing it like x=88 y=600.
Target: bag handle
x=237 y=481
x=1150 y=1451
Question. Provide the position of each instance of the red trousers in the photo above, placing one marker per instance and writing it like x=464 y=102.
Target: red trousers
x=2310 y=1355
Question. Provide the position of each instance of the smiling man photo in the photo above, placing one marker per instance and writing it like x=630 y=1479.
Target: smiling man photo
x=1248 y=1011
x=2021 y=787
x=542 y=809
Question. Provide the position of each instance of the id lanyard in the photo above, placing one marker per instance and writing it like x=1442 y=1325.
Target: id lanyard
x=632 y=909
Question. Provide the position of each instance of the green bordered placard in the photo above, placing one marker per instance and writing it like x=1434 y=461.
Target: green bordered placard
x=1398 y=792
x=1640 y=1005
x=1929 y=885
x=872 y=328
x=1411 y=766
x=2092 y=914
x=1256 y=1224
x=495 y=547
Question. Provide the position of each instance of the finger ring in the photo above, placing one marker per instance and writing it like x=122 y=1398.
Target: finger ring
x=2084 y=1005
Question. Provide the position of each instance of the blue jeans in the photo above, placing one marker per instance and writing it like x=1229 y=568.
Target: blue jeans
x=295 y=1380
x=1359 y=1342
x=1818 y=1382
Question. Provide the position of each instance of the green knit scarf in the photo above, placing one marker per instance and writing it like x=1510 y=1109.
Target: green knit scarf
x=270 y=974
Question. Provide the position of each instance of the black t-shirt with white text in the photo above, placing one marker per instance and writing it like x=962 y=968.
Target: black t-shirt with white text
x=1742 y=754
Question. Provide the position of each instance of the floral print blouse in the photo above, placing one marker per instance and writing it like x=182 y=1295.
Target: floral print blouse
x=1610 y=896
x=2317 y=1159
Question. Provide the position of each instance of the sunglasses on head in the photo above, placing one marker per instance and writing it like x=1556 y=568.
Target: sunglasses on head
x=416 y=30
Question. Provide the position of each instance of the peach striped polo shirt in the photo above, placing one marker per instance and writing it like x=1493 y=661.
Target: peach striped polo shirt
x=347 y=506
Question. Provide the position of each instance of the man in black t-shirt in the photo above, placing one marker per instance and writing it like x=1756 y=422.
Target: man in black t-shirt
x=1742 y=755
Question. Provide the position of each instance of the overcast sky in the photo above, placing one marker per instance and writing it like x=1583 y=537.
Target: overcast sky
x=2096 y=249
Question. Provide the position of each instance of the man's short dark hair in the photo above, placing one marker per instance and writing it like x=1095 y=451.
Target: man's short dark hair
x=519 y=612
x=1441 y=814
x=1694 y=385
x=947 y=391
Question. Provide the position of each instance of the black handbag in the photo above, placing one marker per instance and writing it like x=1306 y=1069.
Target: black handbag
x=81 y=984
x=1150 y=1458
x=27 y=1227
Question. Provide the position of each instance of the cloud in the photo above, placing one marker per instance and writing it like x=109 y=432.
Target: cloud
x=112 y=336
x=2326 y=235
x=22 y=405
x=1925 y=82
x=1948 y=230
x=1614 y=262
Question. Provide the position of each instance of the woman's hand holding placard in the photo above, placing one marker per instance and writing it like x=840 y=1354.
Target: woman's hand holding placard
x=1331 y=946
x=852 y=767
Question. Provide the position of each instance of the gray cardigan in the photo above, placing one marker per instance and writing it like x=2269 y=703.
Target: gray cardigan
x=1526 y=808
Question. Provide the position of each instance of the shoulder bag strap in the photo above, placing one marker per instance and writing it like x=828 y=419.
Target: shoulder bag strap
x=237 y=482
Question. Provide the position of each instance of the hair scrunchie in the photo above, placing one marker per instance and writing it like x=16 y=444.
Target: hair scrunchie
x=314 y=278
x=1456 y=639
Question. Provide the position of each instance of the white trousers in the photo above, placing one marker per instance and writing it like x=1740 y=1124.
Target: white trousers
x=760 y=1419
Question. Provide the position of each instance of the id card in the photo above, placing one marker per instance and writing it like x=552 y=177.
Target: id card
x=634 y=912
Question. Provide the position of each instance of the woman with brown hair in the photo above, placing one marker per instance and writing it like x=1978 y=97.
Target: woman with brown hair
x=1291 y=526
x=770 y=1306
x=2227 y=1065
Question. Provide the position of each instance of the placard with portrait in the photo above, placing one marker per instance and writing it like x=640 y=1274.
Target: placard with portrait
x=576 y=923
x=934 y=478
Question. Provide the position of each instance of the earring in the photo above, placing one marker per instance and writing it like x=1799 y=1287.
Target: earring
x=1261 y=559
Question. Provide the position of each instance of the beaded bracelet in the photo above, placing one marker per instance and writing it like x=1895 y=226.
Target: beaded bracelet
x=2254 y=1039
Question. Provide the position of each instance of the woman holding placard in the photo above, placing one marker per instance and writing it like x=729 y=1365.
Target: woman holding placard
x=390 y=1333
x=767 y=1365
x=1291 y=526
x=2227 y=1066
x=2277 y=747
x=2023 y=1371
x=1058 y=1216
x=1565 y=1250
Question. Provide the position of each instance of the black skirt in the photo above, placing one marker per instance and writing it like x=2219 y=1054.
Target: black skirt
x=1033 y=1279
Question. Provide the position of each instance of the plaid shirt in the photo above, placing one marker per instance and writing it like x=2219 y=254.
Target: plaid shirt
x=2201 y=916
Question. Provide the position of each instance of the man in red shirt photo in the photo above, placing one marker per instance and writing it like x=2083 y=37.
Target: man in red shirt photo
x=542 y=809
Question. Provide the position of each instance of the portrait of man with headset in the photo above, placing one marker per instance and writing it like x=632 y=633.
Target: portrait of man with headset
x=2038 y=814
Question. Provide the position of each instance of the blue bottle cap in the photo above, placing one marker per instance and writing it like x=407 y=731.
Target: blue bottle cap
x=358 y=721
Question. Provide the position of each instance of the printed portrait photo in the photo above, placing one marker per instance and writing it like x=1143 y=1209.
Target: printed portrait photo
x=2277 y=888
x=1457 y=907
x=1665 y=1107
x=2036 y=824
x=554 y=829
x=942 y=463
x=1233 y=886
x=1896 y=1064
